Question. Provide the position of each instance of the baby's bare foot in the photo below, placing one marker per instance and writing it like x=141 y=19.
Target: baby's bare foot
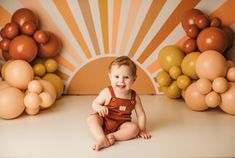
x=103 y=143
x=111 y=139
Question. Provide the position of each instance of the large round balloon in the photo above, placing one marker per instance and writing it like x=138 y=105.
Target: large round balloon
x=23 y=15
x=170 y=56
x=210 y=65
x=51 y=48
x=194 y=99
x=23 y=47
x=228 y=99
x=11 y=103
x=19 y=73
x=212 y=38
x=188 y=65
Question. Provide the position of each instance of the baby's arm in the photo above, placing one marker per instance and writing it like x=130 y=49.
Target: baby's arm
x=99 y=101
x=141 y=119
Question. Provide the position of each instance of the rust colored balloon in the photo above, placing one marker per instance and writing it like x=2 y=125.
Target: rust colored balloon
x=6 y=55
x=11 y=30
x=230 y=35
x=212 y=38
x=22 y=15
x=4 y=44
x=28 y=28
x=192 y=31
x=23 y=47
x=190 y=17
x=51 y=48
x=2 y=33
x=41 y=36
x=215 y=22
x=202 y=21
x=189 y=45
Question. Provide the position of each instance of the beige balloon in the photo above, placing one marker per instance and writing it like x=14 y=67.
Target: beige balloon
x=228 y=99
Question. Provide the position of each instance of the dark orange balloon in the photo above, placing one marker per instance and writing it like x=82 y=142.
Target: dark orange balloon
x=22 y=15
x=51 y=48
x=215 y=22
x=230 y=35
x=6 y=55
x=189 y=45
x=4 y=44
x=212 y=38
x=23 y=47
x=190 y=17
x=192 y=31
x=202 y=21
x=28 y=28
x=2 y=33
x=11 y=30
x=41 y=36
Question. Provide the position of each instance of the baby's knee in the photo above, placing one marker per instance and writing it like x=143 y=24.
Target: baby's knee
x=135 y=129
x=93 y=119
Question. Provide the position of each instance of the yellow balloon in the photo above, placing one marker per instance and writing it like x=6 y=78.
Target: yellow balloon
x=163 y=79
x=175 y=71
x=183 y=81
x=170 y=56
x=173 y=91
x=188 y=65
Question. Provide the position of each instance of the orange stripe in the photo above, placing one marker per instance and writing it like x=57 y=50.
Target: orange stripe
x=5 y=16
x=148 y=21
x=62 y=61
x=168 y=26
x=65 y=11
x=103 y=6
x=116 y=18
x=154 y=66
x=225 y=12
x=47 y=23
x=86 y=12
x=133 y=10
x=62 y=75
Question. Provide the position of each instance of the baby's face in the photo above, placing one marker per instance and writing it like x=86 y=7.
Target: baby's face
x=121 y=78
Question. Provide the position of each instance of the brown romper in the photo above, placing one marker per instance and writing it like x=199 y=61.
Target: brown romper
x=119 y=111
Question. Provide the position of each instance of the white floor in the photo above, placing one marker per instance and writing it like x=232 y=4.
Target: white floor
x=61 y=131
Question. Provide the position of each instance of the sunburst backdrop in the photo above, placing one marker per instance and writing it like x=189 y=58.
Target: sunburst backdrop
x=93 y=32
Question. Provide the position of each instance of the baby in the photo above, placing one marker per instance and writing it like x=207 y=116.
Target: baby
x=114 y=105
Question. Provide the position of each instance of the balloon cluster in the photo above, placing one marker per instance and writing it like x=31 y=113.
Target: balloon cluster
x=20 y=92
x=22 y=38
x=204 y=34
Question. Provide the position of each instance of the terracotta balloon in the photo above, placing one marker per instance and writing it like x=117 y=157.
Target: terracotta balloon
x=230 y=35
x=194 y=99
x=202 y=21
x=212 y=38
x=203 y=85
x=190 y=17
x=41 y=36
x=6 y=56
x=210 y=65
x=23 y=15
x=11 y=30
x=212 y=99
x=228 y=100
x=192 y=31
x=220 y=85
x=51 y=48
x=2 y=33
x=11 y=103
x=19 y=73
x=5 y=44
x=231 y=74
x=23 y=47
x=215 y=22
x=28 y=28
x=190 y=45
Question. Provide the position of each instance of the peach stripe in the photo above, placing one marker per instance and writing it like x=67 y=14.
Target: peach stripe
x=62 y=75
x=65 y=11
x=154 y=66
x=86 y=12
x=225 y=12
x=116 y=18
x=168 y=26
x=154 y=10
x=47 y=23
x=133 y=10
x=64 y=62
x=5 y=16
x=103 y=6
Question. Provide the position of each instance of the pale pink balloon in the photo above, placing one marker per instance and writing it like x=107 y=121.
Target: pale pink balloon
x=211 y=64
x=32 y=100
x=228 y=99
x=212 y=99
x=32 y=111
x=194 y=99
x=35 y=86
x=220 y=85
x=203 y=85
x=47 y=100
x=231 y=74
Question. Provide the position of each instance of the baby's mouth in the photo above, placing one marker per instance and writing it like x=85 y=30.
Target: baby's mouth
x=121 y=86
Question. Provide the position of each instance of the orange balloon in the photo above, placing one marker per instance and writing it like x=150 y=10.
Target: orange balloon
x=11 y=30
x=212 y=99
x=231 y=74
x=203 y=85
x=194 y=99
x=228 y=99
x=220 y=85
x=190 y=17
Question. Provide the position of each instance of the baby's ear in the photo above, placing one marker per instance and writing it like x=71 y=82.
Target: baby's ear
x=134 y=78
x=109 y=75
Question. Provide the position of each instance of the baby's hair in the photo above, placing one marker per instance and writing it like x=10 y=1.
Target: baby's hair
x=124 y=60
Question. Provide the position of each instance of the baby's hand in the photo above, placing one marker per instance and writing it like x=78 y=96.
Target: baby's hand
x=144 y=134
x=103 y=110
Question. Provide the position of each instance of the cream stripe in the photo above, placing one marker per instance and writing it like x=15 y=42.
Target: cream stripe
x=110 y=24
x=11 y=7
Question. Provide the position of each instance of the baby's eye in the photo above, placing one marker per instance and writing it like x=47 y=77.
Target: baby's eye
x=126 y=77
x=116 y=76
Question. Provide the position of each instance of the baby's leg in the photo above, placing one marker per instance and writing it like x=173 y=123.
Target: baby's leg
x=95 y=124
x=126 y=131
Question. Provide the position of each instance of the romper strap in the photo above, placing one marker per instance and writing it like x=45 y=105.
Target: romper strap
x=133 y=94
x=111 y=91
